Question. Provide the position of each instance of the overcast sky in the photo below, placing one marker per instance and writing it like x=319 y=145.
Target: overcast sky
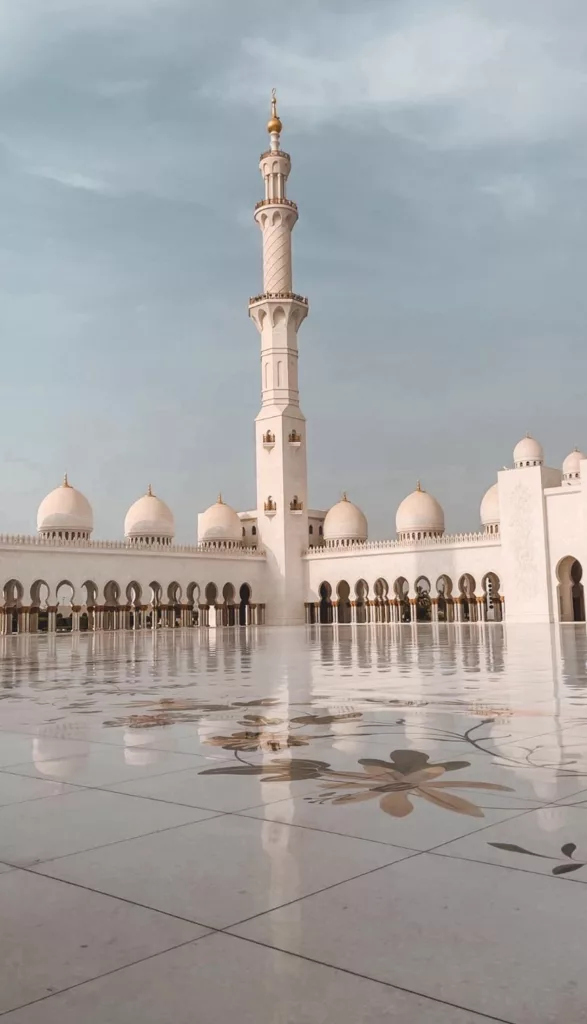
x=439 y=156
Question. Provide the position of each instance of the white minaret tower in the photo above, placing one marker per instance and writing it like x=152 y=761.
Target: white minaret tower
x=282 y=486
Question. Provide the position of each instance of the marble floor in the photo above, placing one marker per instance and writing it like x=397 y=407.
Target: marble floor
x=328 y=825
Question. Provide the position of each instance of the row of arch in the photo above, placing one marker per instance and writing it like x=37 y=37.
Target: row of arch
x=423 y=603
x=89 y=607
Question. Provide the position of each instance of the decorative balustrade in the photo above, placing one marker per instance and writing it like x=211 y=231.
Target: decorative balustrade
x=295 y=438
x=276 y=202
x=274 y=152
x=268 y=438
x=270 y=505
x=278 y=295
x=234 y=547
x=426 y=543
x=295 y=504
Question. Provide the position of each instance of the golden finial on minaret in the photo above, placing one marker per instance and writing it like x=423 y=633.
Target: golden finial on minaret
x=149 y=491
x=274 y=124
x=344 y=496
x=66 y=482
x=219 y=500
x=418 y=485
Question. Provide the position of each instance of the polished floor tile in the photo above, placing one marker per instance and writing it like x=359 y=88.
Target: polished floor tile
x=96 y=934
x=15 y=789
x=220 y=793
x=494 y=941
x=224 y=870
x=292 y=780
x=101 y=765
x=551 y=840
x=39 y=830
x=220 y=979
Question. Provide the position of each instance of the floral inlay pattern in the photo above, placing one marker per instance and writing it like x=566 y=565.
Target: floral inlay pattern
x=395 y=783
x=567 y=850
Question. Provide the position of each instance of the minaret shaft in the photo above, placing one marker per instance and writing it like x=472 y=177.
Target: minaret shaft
x=280 y=426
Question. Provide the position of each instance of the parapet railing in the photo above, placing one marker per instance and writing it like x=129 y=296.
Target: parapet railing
x=278 y=295
x=447 y=540
x=232 y=547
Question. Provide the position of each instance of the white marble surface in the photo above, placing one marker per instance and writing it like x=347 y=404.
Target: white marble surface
x=387 y=820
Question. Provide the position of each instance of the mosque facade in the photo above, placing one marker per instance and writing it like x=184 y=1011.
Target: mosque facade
x=284 y=563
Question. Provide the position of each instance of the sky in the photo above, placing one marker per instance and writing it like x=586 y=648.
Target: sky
x=439 y=161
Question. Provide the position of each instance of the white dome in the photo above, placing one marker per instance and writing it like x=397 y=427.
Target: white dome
x=149 y=519
x=419 y=513
x=571 y=466
x=219 y=524
x=65 y=509
x=528 y=452
x=490 y=507
x=345 y=522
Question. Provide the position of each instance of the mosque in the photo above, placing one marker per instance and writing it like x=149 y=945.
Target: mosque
x=284 y=563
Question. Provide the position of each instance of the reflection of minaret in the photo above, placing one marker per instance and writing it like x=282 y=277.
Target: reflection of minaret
x=282 y=500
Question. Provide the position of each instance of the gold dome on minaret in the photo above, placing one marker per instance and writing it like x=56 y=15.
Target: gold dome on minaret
x=274 y=124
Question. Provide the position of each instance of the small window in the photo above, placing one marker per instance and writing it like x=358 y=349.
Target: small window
x=254 y=531
x=320 y=531
x=244 y=532
x=310 y=529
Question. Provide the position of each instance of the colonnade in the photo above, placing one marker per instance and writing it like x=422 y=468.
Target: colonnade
x=107 y=618
x=471 y=609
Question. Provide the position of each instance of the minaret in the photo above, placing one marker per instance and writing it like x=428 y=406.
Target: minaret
x=282 y=486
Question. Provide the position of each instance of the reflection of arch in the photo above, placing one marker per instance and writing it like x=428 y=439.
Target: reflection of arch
x=444 y=598
x=401 y=589
x=467 y=599
x=491 y=597
x=244 y=611
x=423 y=599
x=325 y=610
x=571 y=596
x=343 y=592
x=361 y=597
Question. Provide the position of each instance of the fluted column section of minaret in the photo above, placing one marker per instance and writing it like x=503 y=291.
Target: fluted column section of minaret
x=277 y=274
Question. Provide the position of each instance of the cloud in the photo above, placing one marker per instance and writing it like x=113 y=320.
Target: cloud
x=517 y=194
x=71 y=179
x=481 y=77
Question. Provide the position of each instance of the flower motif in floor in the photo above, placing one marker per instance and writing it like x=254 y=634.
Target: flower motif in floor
x=395 y=783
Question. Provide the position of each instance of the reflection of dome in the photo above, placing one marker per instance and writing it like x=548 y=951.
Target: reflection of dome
x=219 y=525
x=149 y=521
x=418 y=516
x=65 y=510
x=571 y=466
x=49 y=758
x=528 y=452
x=490 y=510
x=345 y=522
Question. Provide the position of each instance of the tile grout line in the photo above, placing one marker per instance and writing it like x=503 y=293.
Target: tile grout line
x=122 y=899
x=365 y=977
x=106 y=974
x=115 y=842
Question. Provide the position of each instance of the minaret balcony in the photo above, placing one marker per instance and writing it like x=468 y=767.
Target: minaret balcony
x=294 y=440
x=278 y=201
x=268 y=441
x=278 y=295
x=296 y=506
x=270 y=507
